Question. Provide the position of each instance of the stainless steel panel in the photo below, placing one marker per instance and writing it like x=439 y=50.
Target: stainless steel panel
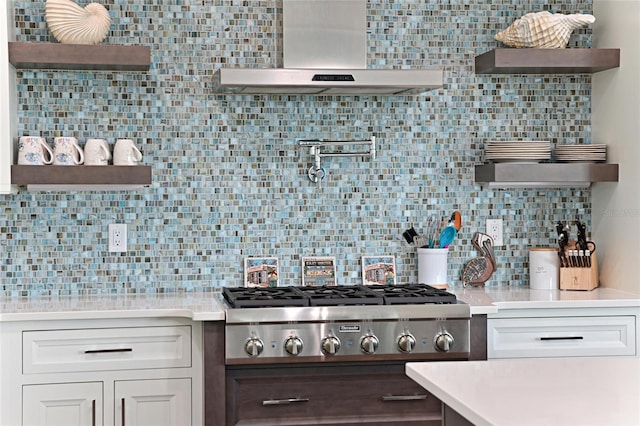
x=347 y=313
x=349 y=333
x=546 y=174
x=300 y=81
x=324 y=34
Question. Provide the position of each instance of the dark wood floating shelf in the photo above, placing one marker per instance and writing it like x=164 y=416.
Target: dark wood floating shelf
x=125 y=176
x=547 y=61
x=79 y=56
x=545 y=174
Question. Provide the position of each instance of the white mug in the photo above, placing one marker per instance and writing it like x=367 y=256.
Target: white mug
x=31 y=151
x=125 y=153
x=67 y=152
x=96 y=152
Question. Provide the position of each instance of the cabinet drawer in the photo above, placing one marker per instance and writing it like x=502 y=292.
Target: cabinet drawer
x=561 y=336
x=56 y=351
x=328 y=399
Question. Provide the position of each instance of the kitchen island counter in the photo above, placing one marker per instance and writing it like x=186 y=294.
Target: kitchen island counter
x=550 y=391
x=197 y=306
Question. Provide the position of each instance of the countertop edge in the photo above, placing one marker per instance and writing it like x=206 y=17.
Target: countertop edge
x=445 y=397
x=591 y=303
x=484 y=310
x=111 y=314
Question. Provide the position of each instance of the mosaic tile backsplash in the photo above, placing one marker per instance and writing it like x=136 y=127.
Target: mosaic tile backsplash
x=229 y=180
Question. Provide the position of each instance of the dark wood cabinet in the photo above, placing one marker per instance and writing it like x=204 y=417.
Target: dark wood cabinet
x=334 y=395
x=355 y=393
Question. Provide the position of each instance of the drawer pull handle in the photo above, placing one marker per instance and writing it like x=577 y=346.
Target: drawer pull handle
x=284 y=401
x=104 y=351
x=420 y=397
x=93 y=412
x=122 y=413
x=563 y=338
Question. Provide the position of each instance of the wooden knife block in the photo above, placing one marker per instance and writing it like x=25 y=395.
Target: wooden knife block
x=580 y=278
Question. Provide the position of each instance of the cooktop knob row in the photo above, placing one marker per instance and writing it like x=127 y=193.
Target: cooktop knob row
x=330 y=345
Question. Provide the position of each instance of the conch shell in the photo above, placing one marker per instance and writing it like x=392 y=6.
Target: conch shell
x=543 y=30
x=72 y=24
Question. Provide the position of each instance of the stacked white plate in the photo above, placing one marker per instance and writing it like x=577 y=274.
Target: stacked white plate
x=518 y=151
x=582 y=152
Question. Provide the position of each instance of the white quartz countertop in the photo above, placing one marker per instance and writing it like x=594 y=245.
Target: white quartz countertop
x=489 y=300
x=549 y=391
x=197 y=306
x=207 y=306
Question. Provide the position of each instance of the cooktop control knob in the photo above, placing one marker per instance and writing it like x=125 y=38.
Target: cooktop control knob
x=406 y=343
x=330 y=345
x=293 y=345
x=443 y=342
x=254 y=346
x=369 y=344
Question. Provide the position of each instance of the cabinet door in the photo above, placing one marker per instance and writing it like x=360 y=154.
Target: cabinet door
x=162 y=402
x=63 y=404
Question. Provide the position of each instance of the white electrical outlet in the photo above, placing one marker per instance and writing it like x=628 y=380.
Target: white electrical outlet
x=117 y=237
x=494 y=229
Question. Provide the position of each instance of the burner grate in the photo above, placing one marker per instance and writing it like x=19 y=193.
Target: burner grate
x=267 y=297
x=401 y=294
x=341 y=296
x=415 y=294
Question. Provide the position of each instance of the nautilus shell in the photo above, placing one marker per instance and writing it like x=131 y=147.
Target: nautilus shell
x=543 y=30
x=71 y=23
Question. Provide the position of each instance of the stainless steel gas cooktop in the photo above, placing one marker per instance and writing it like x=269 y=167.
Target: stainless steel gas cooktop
x=344 y=323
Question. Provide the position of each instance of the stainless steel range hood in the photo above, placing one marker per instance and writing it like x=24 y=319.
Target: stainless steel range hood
x=325 y=53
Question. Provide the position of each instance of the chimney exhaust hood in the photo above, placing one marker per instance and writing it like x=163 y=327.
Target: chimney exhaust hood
x=324 y=44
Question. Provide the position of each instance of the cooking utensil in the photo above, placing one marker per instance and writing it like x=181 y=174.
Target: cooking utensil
x=563 y=240
x=582 y=234
x=456 y=218
x=449 y=232
x=421 y=242
x=447 y=236
x=433 y=227
x=409 y=235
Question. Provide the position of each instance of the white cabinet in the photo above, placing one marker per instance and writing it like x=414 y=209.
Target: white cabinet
x=533 y=333
x=62 y=404
x=153 y=402
x=143 y=371
x=158 y=402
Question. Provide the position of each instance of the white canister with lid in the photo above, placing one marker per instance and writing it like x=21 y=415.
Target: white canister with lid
x=544 y=268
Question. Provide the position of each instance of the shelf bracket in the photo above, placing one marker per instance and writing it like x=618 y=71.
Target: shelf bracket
x=317 y=148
